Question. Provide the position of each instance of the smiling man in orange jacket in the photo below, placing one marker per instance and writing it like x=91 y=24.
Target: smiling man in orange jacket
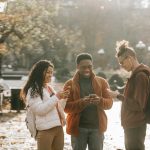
x=86 y=119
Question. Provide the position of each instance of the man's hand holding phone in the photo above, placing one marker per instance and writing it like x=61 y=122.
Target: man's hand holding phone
x=95 y=99
x=92 y=99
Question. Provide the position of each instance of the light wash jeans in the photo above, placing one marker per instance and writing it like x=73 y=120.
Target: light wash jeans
x=90 y=137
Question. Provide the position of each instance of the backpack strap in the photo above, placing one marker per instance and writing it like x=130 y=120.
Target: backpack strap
x=51 y=91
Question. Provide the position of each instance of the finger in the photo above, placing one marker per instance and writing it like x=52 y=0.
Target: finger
x=86 y=99
x=93 y=95
x=94 y=99
x=68 y=91
x=68 y=88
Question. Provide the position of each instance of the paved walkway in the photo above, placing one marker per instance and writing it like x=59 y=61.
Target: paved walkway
x=15 y=136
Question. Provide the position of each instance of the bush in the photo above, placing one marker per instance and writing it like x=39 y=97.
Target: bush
x=101 y=74
x=62 y=74
x=116 y=83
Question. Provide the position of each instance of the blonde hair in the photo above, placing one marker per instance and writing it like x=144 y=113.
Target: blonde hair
x=123 y=49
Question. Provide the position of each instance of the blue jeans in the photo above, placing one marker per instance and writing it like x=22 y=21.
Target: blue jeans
x=90 y=137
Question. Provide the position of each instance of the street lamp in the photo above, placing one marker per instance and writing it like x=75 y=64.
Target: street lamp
x=102 y=60
x=140 y=45
x=101 y=51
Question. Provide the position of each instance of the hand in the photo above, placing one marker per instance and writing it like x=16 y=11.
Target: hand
x=63 y=94
x=67 y=92
x=92 y=99
x=112 y=94
x=95 y=100
x=86 y=100
x=93 y=96
x=120 y=97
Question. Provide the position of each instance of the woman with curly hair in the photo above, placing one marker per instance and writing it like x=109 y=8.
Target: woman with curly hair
x=47 y=106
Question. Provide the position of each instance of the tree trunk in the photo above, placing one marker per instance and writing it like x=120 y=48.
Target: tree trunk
x=1 y=65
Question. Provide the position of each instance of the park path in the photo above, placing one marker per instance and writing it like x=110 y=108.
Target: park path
x=15 y=136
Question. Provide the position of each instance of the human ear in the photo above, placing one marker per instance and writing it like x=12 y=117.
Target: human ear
x=130 y=59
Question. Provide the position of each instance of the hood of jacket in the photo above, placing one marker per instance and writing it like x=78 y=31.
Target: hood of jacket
x=141 y=68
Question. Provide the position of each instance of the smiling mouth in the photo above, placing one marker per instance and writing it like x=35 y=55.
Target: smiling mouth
x=87 y=73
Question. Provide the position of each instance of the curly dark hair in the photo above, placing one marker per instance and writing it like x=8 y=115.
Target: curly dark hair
x=36 y=79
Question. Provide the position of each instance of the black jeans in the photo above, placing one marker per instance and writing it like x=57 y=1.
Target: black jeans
x=134 y=138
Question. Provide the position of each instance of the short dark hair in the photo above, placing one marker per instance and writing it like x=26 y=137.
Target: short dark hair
x=123 y=49
x=83 y=56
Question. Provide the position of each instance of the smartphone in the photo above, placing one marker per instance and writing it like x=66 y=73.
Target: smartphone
x=92 y=95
